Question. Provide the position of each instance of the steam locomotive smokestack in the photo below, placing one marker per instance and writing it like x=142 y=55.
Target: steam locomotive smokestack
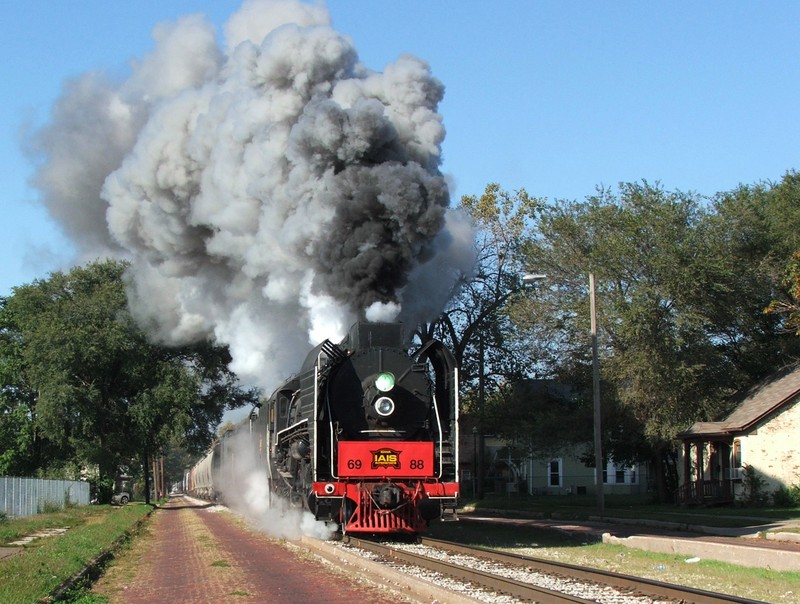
x=268 y=192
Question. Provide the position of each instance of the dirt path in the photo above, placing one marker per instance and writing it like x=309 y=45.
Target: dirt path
x=195 y=555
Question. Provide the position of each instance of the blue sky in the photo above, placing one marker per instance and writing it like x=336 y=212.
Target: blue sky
x=556 y=97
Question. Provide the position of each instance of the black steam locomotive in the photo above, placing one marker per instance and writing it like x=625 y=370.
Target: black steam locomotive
x=366 y=435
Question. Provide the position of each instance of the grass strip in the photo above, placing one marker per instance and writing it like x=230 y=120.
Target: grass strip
x=48 y=568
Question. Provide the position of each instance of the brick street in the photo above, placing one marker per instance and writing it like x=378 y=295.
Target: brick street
x=196 y=555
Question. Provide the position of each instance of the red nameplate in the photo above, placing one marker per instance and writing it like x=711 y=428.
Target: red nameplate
x=386 y=459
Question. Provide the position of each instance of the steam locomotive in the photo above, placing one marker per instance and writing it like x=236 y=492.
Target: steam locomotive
x=365 y=435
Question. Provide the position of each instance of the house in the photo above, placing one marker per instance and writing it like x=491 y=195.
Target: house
x=509 y=471
x=761 y=433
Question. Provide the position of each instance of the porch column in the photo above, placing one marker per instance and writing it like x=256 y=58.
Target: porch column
x=701 y=466
x=687 y=451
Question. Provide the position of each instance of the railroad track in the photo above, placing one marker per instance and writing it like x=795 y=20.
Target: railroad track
x=545 y=581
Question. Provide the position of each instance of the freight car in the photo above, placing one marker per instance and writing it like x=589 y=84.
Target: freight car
x=365 y=435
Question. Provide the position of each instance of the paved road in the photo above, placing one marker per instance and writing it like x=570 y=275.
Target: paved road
x=195 y=555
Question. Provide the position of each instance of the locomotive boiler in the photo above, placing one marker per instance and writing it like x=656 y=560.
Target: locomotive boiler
x=366 y=434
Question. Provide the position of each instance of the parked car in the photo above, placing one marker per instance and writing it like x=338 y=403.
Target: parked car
x=123 y=488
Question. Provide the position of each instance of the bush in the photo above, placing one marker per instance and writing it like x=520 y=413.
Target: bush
x=48 y=507
x=785 y=497
x=753 y=488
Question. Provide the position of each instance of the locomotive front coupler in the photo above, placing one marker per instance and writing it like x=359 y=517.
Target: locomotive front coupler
x=387 y=496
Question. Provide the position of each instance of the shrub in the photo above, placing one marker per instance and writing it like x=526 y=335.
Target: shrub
x=753 y=484
x=49 y=507
x=787 y=497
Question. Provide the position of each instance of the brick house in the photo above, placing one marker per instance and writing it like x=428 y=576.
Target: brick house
x=762 y=432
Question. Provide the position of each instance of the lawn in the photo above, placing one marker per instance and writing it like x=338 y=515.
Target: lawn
x=47 y=563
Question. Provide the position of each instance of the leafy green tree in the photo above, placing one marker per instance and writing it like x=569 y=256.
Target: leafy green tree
x=769 y=219
x=104 y=393
x=24 y=450
x=788 y=305
x=16 y=405
x=530 y=414
x=679 y=307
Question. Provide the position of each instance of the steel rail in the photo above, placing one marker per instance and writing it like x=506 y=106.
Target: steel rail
x=523 y=591
x=640 y=585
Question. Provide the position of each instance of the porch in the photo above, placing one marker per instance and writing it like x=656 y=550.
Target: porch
x=706 y=492
x=711 y=470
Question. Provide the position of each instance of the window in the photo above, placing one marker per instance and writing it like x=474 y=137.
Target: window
x=619 y=474
x=554 y=473
x=736 y=460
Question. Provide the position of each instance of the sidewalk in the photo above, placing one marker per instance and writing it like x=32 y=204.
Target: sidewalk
x=196 y=555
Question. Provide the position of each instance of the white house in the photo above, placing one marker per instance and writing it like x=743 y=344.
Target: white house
x=508 y=473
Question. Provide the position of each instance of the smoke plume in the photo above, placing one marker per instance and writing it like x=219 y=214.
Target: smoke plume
x=246 y=491
x=267 y=191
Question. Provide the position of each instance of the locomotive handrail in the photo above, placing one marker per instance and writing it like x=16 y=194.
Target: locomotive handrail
x=446 y=369
x=292 y=427
x=316 y=406
x=333 y=439
x=441 y=436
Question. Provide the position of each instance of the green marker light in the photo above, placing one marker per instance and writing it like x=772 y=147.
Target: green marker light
x=384 y=382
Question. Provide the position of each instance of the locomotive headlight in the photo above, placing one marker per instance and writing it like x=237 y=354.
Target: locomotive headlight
x=384 y=406
x=384 y=382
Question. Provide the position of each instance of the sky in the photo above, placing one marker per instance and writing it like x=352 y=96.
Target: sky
x=555 y=97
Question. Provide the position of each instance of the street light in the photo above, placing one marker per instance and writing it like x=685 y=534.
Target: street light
x=531 y=278
x=474 y=460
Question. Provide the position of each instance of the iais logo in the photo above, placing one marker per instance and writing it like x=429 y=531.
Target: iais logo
x=385 y=458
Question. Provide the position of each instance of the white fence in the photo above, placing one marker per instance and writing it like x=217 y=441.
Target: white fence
x=31 y=496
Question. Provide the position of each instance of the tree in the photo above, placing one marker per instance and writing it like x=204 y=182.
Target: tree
x=530 y=415
x=678 y=304
x=103 y=392
x=24 y=450
x=474 y=319
x=789 y=304
x=474 y=325
x=775 y=210
x=761 y=227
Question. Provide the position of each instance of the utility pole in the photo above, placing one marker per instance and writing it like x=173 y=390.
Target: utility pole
x=598 y=445
x=481 y=402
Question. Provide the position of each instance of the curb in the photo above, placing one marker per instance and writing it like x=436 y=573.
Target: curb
x=791 y=537
x=753 y=557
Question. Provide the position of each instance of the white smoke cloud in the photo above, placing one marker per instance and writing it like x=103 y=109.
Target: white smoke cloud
x=267 y=193
x=246 y=491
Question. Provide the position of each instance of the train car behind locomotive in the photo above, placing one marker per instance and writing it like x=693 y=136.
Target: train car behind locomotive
x=366 y=434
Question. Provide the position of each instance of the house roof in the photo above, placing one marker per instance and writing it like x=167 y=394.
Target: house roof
x=753 y=404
